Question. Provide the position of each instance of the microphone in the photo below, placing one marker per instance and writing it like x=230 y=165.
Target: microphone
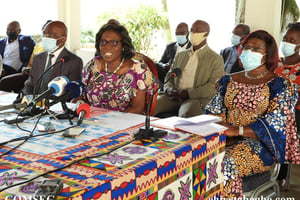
x=147 y=132
x=24 y=102
x=83 y=111
x=72 y=90
x=38 y=82
x=55 y=87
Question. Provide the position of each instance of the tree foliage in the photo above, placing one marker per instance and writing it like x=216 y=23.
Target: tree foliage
x=142 y=22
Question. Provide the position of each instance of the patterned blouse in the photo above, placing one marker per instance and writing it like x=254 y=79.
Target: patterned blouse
x=290 y=71
x=113 y=91
x=268 y=109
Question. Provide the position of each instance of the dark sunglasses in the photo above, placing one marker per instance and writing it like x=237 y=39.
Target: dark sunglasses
x=112 y=43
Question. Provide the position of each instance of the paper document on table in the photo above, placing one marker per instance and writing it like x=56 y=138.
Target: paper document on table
x=173 y=122
x=202 y=130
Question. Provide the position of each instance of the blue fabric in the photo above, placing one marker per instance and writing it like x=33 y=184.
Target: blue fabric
x=270 y=127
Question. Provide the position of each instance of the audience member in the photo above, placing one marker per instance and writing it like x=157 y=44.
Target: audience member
x=289 y=67
x=230 y=54
x=38 y=48
x=113 y=79
x=15 y=82
x=53 y=41
x=182 y=44
x=201 y=67
x=15 y=49
x=257 y=106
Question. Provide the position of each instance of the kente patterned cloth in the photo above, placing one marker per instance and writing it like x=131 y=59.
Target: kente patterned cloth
x=112 y=91
x=268 y=109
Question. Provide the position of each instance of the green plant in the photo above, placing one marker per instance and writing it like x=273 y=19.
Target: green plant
x=142 y=22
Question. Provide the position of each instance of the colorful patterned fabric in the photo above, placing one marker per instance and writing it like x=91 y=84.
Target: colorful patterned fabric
x=113 y=91
x=290 y=71
x=269 y=110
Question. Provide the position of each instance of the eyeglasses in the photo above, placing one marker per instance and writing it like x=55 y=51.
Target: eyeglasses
x=112 y=43
x=254 y=49
x=50 y=35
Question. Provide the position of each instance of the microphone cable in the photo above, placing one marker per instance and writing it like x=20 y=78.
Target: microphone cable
x=25 y=139
x=38 y=135
x=66 y=166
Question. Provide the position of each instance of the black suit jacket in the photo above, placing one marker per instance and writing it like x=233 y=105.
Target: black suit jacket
x=170 y=52
x=72 y=69
x=230 y=57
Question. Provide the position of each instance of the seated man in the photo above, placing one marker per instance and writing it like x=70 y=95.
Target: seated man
x=201 y=67
x=182 y=44
x=53 y=41
x=230 y=54
x=15 y=49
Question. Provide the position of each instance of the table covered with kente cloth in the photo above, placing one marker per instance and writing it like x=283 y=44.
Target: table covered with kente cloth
x=112 y=164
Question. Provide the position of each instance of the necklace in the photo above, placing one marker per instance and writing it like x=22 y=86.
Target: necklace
x=116 y=68
x=256 y=77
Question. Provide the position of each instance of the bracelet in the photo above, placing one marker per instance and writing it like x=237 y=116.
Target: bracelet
x=241 y=130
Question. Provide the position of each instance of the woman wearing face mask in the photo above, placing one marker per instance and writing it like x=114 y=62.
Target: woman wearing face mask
x=257 y=106
x=289 y=66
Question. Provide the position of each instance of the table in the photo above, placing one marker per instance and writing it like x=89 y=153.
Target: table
x=178 y=166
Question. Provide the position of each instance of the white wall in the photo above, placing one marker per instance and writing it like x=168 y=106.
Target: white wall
x=264 y=14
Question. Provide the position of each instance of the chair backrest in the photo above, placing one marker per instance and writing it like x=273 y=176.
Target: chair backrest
x=149 y=62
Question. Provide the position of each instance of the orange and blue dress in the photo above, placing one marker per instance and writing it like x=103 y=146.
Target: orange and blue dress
x=267 y=108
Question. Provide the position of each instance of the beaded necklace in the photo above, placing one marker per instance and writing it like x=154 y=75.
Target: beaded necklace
x=256 y=77
x=116 y=68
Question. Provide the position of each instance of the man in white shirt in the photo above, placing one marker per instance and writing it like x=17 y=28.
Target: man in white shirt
x=15 y=49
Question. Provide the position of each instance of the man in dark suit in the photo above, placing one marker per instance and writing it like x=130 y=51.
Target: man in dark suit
x=15 y=49
x=182 y=44
x=54 y=39
x=230 y=54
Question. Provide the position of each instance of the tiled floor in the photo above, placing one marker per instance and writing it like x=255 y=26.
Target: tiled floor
x=294 y=186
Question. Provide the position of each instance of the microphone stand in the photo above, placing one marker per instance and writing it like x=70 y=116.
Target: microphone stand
x=147 y=132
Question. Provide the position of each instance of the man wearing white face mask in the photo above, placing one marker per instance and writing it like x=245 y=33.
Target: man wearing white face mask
x=230 y=54
x=53 y=41
x=182 y=44
x=189 y=92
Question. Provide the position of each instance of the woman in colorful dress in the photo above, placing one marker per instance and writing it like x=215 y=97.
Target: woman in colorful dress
x=113 y=79
x=289 y=66
x=257 y=106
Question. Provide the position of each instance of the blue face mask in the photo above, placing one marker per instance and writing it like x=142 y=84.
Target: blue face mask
x=235 y=40
x=181 y=39
x=287 y=48
x=251 y=60
x=49 y=44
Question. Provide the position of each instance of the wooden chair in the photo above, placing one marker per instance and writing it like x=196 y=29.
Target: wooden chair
x=149 y=62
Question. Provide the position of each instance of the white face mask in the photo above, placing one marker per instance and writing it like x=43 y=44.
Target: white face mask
x=181 y=39
x=197 y=38
x=235 y=40
x=287 y=48
x=251 y=60
x=49 y=44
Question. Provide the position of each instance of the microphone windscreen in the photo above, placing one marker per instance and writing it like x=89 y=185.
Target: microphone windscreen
x=65 y=59
x=75 y=88
x=84 y=107
x=177 y=72
x=58 y=84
